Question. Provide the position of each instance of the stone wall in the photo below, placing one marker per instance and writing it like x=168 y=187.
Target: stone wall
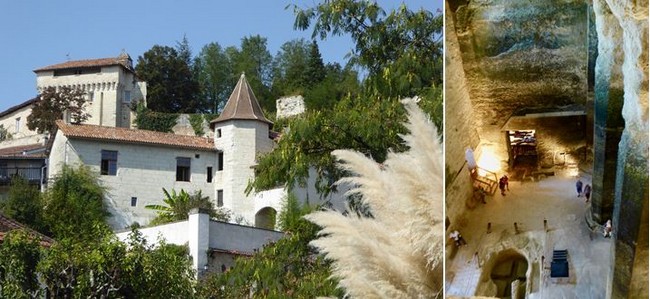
x=460 y=126
x=522 y=54
x=290 y=106
x=142 y=172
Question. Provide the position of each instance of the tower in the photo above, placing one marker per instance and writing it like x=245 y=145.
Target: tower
x=241 y=132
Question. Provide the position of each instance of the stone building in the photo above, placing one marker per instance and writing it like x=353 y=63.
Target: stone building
x=548 y=93
x=111 y=85
x=136 y=165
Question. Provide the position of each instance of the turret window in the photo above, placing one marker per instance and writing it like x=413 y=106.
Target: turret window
x=220 y=162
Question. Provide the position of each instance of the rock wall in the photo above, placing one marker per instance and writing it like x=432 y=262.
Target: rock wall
x=290 y=106
x=460 y=128
x=630 y=215
x=522 y=54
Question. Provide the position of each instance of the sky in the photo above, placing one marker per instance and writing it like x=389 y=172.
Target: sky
x=39 y=33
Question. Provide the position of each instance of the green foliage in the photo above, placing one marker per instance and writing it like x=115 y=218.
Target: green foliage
x=19 y=255
x=214 y=70
x=402 y=54
x=24 y=204
x=171 y=84
x=53 y=104
x=109 y=268
x=74 y=205
x=178 y=205
x=196 y=120
x=4 y=134
x=147 y=119
x=289 y=268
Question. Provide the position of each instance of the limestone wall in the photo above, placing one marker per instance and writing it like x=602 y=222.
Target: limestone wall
x=142 y=172
x=107 y=91
x=18 y=118
x=290 y=106
x=460 y=122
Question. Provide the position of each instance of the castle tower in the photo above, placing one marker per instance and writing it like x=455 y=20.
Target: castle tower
x=241 y=132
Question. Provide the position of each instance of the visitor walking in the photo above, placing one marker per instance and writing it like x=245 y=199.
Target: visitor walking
x=607 y=231
x=579 y=187
x=503 y=185
x=458 y=239
x=587 y=192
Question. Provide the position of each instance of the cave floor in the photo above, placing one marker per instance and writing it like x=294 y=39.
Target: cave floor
x=528 y=203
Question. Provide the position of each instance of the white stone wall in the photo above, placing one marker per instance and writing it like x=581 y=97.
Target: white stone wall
x=107 y=106
x=241 y=141
x=201 y=235
x=142 y=172
x=290 y=106
x=22 y=132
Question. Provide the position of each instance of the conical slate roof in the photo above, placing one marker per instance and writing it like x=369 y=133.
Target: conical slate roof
x=242 y=104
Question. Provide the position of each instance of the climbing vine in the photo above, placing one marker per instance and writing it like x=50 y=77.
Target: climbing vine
x=196 y=120
x=147 y=119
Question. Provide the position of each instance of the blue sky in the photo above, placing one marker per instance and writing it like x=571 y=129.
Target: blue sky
x=34 y=34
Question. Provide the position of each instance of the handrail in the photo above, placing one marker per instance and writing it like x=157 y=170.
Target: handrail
x=488 y=172
x=30 y=173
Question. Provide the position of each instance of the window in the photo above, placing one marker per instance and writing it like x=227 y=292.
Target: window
x=183 y=169
x=134 y=201
x=91 y=96
x=18 y=125
x=218 y=133
x=209 y=174
x=220 y=161
x=127 y=96
x=109 y=163
x=219 y=198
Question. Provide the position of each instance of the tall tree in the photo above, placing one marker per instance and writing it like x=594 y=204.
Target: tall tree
x=402 y=54
x=53 y=104
x=289 y=68
x=254 y=59
x=171 y=86
x=214 y=73
x=315 y=72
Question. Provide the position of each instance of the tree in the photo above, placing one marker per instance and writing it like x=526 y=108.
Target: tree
x=19 y=256
x=53 y=104
x=214 y=73
x=4 y=134
x=402 y=54
x=255 y=60
x=74 y=206
x=289 y=68
x=24 y=204
x=178 y=206
x=288 y=268
x=171 y=86
x=315 y=72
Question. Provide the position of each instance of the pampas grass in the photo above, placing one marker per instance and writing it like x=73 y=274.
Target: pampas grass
x=398 y=253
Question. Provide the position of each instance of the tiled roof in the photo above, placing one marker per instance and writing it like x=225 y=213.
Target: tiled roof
x=7 y=224
x=242 y=104
x=36 y=150
x=124 y=135
x=18 y=107
x=87 y=63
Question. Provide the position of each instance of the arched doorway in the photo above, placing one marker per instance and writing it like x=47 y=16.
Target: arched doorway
x=509 y=271
x=265 y=218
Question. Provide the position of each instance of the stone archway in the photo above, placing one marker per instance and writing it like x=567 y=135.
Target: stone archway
x=505 y=275
x=265 y=218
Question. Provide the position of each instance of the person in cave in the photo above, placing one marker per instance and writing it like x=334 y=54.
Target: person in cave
x=587 y=192
x=458 y=239
x=503 y=184
x=607 y=231
x=579 y=187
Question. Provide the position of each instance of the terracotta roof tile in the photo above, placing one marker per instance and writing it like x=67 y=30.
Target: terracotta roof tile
x=242 y=104
x=36 y=150
x=125 y=135
x=86 y=63
x=7 y=224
